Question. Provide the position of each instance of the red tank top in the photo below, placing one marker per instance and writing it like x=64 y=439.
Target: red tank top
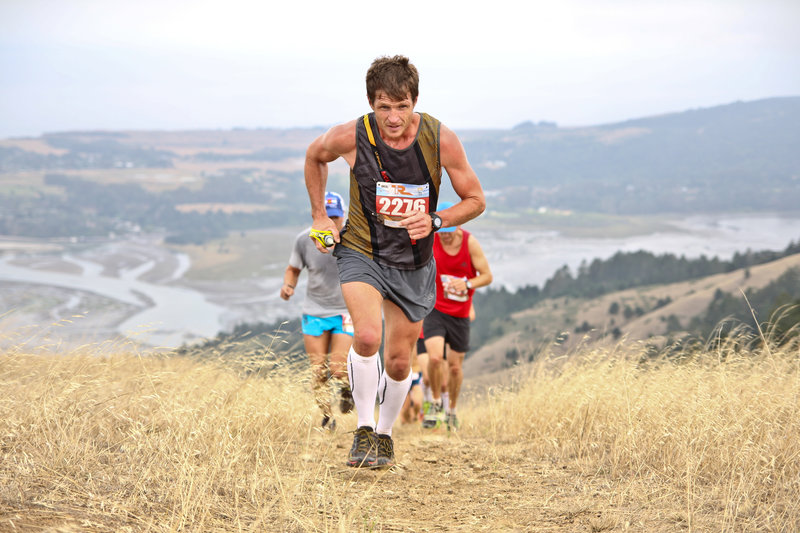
x=457 y=266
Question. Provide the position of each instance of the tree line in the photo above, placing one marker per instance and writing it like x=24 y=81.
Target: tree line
x=624 y=270
x=90 y=209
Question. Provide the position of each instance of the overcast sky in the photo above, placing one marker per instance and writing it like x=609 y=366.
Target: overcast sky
x=181 y=64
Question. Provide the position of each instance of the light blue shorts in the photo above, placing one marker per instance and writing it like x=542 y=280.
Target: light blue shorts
x=316 y=326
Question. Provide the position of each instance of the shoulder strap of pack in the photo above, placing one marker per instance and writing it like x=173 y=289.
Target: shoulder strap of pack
x=371 y=138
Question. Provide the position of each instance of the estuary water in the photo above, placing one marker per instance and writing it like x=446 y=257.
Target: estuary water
x=173 y=313
x=519 y=258
x=166 y=315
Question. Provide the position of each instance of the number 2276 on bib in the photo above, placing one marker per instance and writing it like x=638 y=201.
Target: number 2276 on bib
x=395 y=199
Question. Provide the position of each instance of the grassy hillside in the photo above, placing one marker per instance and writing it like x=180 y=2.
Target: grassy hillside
x=652 y=315
x=104 y=438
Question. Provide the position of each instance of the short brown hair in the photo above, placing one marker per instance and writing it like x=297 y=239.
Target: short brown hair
x=394 y=75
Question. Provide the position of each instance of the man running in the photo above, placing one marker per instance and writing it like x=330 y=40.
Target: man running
x=385 y=255
x=461 y=267
x=327 y=328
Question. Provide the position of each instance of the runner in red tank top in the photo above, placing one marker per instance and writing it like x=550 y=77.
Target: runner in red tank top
x=461 y=267
x=450 y=268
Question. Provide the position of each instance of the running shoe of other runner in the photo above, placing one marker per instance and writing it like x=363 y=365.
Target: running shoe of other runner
x=346 y=402
x=435 y=418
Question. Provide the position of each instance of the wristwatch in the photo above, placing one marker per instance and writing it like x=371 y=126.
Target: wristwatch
x=468 y=283
x=436 y=222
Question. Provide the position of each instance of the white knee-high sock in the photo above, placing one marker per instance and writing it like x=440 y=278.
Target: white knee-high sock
x=394 y=394
x=364 y=374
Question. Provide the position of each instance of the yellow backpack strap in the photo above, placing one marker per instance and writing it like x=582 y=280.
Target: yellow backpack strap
x=369 y=130
x=375 y=149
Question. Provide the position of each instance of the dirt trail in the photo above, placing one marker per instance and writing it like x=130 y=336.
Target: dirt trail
x=464 y=482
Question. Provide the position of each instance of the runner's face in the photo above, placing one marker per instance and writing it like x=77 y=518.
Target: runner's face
x=448 y=238
x=394 y=116
x=339 y=222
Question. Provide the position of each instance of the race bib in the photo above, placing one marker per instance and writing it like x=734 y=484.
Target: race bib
x=395 y=199
x=448 y=291
x=347 y=323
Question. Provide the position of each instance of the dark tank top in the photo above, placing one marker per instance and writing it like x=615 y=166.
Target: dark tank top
x=375 y=198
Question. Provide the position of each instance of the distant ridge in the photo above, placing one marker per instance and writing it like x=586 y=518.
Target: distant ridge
x=733 y=157
x=741 y=156
x=755 y=109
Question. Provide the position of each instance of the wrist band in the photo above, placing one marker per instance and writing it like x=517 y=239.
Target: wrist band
x=290 y=285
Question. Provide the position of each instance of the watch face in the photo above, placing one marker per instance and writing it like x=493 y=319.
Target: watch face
x=436 y=220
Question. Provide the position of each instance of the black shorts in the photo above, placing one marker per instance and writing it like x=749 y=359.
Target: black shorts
x=422 y=349
x=421 y=346
x=455 y=330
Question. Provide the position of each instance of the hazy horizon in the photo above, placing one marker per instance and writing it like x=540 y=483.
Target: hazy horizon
x=324 y=126
x=114 y=65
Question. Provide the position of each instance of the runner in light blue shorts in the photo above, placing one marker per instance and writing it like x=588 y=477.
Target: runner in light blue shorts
x=327 y=328
x=316 y=326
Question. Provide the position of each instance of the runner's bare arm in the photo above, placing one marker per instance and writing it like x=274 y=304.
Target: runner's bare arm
x=290 y=277
x=339 y=141
x=480 y=263
x=465 y=183
x=463 y=179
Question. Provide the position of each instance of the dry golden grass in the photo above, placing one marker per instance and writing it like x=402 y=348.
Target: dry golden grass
x=105 y=438
x=715 y=432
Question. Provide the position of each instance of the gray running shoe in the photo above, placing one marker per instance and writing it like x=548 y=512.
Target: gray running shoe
x=435 y=418
x=452 y=422
x=385 y=455
x=346 y=403
x=362 y=453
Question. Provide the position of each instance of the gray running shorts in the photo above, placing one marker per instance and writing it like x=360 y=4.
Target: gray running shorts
x=413 y=291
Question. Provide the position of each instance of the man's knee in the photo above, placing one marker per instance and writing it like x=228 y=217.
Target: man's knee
x=455 y=363
x=435 y=353
x=367 y=339
x=398 y=368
